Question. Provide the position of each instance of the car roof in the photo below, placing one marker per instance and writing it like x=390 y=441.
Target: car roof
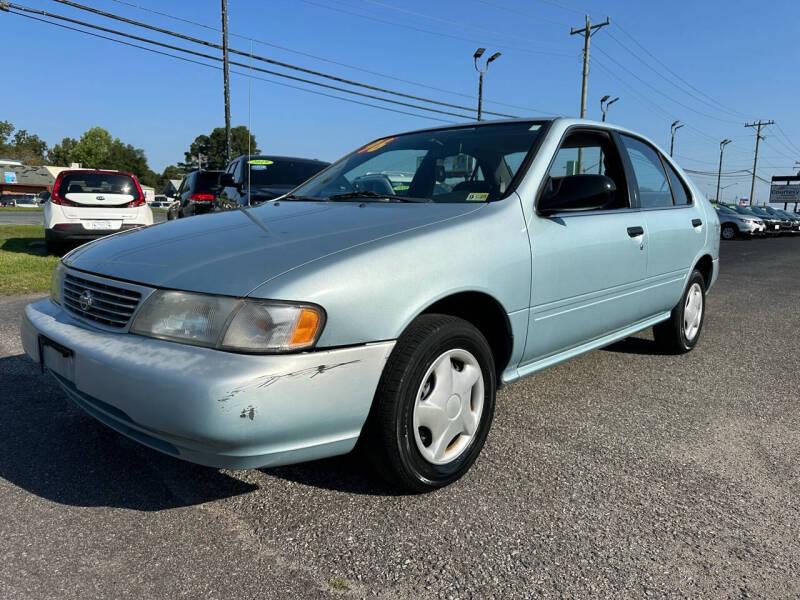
x=284 y=158
x=562 y=122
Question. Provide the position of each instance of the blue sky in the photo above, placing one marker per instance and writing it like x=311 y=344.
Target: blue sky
x=728 y=62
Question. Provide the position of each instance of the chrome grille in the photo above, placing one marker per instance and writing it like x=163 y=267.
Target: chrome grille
x=99 y=302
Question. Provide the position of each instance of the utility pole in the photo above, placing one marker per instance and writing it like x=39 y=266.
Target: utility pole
x=722 y=145
x=758 y=125
x=672 y=129
x=478 y=53
x=588 y=31
x=226 y=80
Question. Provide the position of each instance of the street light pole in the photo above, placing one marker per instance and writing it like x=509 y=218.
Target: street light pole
x=722 y=145
x=672 y=129
x=478 y=53
x=604 y=105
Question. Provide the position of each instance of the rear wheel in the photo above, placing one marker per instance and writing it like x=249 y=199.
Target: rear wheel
x=434 y=405
x=679 y=334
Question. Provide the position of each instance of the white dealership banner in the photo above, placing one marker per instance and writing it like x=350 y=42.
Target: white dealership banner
x=778 y=194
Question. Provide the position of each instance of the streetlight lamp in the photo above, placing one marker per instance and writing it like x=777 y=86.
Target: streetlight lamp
x=672 y=129
x=722 y=145
x=604 y=105
x=478 y=53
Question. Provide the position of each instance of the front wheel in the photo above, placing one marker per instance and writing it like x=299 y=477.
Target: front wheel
x=679 y=333
x=434 y=405
x=728 y=232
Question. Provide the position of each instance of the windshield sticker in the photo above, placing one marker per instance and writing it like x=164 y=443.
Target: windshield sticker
x=377 y=145
x=400 y=188
x=477 y=197
x=535 y=127
x=259 y=161
x=258 y=167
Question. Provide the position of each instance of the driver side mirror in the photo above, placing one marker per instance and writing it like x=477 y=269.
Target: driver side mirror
x=575 y=193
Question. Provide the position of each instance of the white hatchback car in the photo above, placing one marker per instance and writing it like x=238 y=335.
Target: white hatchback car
x=86 y=204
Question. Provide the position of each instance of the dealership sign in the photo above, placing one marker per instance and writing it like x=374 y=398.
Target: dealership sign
x=10 y=176
x=780 y=194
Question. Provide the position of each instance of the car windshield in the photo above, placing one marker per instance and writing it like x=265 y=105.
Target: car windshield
x=462 y=164
x=724 y=209
x=265 y=172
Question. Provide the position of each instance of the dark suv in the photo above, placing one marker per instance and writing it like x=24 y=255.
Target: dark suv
x=196 y=195
x=253 y=179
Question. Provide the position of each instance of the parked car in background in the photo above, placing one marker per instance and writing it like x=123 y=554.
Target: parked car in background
x=288 y=331
x=28 y=201
x=773 y=224
x=253 y=179
x=784 y=224
x=197 y=195
x=793 y=218
x=733 y=224
x=86 y=204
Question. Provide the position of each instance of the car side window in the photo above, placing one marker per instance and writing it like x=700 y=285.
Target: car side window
x=237 y=175
x=654 y=189
x=680 y=191
x=590 y=152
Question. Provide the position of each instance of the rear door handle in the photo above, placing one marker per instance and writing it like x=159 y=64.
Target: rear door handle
x=635 y=231
x=696 y=222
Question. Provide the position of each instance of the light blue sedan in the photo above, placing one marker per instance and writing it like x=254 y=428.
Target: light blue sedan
x=384 y=300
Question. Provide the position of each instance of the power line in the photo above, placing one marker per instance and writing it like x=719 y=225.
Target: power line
x=435 y=19
x=323 y=59
x=522 y=13
x=268 y=60
x=197 y=62
x=658 y=72
x=660 y=62
x=429 y=32
x=260 y=69
x=655 y=89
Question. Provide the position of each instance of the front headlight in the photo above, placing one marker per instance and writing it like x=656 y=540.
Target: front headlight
x=257 y=326
x=56 y=283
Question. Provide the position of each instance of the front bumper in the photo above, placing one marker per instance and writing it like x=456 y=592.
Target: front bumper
x=209 y=407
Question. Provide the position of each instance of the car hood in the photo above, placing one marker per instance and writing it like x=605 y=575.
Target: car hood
x=229 y=253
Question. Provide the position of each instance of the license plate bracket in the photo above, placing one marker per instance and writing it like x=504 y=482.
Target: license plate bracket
x=44 y=341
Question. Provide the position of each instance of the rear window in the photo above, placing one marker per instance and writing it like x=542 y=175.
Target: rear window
x=98 y=183
x=206 y=181
x=266 y=172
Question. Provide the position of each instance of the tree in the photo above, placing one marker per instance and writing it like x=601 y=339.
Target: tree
x=94 y=148
x=212 y=147
x=24 y=146
x=64 y=153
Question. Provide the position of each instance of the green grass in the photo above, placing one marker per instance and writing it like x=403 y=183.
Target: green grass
x=20 y=209
x=340 y=584
x=25 y=267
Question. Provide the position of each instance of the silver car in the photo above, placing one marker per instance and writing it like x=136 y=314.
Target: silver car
x=733 y=224
x=390 y=314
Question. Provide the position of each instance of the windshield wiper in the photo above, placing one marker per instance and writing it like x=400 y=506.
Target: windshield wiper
x=369 y=194
x=291 y=197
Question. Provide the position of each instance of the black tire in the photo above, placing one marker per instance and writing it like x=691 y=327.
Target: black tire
x=388 y=438
x=671 y=335
x=729 y=231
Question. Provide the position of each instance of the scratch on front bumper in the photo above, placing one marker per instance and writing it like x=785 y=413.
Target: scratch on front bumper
x=214 y=408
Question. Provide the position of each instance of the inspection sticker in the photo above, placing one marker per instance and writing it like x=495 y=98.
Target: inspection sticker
x=477 y=197
x=376 y=145
x=259 y=161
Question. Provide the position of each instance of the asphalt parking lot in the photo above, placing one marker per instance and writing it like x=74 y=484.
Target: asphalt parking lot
x=623 y=473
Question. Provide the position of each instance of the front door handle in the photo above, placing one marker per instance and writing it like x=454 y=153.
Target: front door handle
x=635 y=231
x=696 y=222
